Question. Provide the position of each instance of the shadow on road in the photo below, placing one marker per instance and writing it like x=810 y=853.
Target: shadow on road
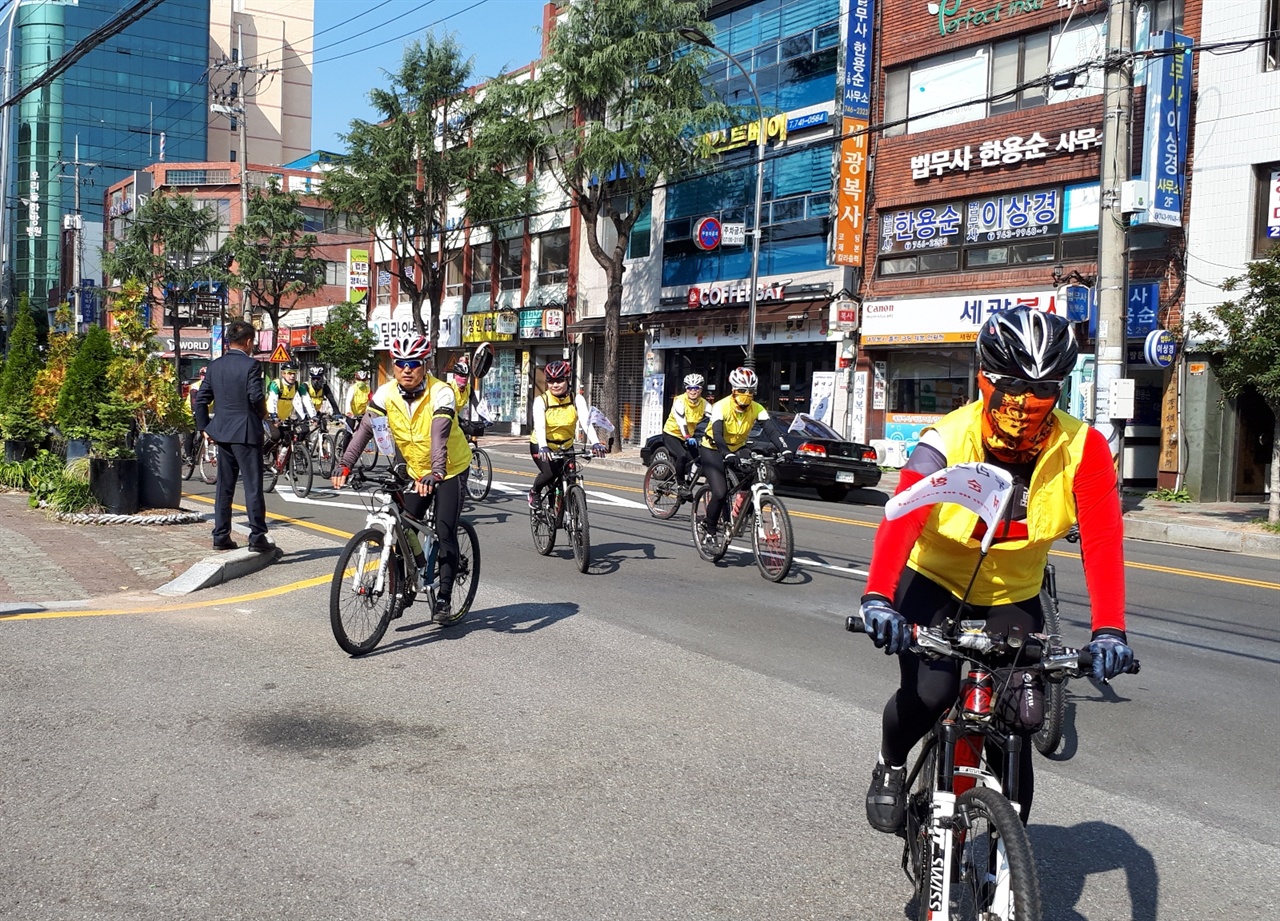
x=414 y=631
x=1066 y=857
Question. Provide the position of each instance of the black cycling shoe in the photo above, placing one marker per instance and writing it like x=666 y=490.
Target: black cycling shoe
x=886 y=798
x=443 y=613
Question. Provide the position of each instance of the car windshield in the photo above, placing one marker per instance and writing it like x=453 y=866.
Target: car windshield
x=806 y=426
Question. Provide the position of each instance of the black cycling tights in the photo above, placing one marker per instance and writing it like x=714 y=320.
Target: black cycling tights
x=929 y=687
x=681 y=454
x=448 y=500
x=548 y=470
x=713 y=470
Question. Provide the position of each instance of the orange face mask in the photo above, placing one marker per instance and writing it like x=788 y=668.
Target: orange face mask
x=1014 y=428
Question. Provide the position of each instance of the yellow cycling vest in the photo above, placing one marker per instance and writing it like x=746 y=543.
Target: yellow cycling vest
x=947 y=552
x=561 y=420
x=412 y=431
x=461 y=395
x=359 y=398
x=286 y=393
x=737 y=425
x=693 y=413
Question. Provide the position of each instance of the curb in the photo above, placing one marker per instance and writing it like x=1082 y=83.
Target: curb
x=219 y=568
x=1202 y=538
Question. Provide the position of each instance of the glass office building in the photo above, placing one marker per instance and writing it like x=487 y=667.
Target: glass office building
x=138 y=96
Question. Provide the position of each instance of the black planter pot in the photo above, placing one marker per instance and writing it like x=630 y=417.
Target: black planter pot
x=77 y=448
x=159 y=470
x=114 y=483
x=19 y=450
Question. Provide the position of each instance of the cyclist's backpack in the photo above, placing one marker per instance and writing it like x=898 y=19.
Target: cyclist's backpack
x=1019 y=705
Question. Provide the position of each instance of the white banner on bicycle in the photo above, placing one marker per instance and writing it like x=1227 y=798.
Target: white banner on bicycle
x=980 y=488
x=382 y=435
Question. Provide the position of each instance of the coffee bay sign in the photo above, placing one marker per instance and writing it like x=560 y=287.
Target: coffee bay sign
x=716 y=295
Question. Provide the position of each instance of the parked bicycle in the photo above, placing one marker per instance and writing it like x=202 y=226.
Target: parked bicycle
x=563 y=504
x=480 y=477
x=664 y=490
x=967 y=853
x=377 y=575
x=750 y=500
x=288 y=455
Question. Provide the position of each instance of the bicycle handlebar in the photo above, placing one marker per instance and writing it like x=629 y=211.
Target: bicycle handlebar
x=980 y=645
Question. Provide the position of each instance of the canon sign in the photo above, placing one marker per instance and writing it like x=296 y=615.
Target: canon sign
x=732 y=294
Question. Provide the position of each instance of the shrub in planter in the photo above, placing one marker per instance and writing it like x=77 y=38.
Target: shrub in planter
x=85 y=385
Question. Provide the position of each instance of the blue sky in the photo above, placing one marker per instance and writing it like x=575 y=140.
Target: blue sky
x=496 y=33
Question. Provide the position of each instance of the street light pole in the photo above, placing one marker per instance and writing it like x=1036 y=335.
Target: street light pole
x=698 y=37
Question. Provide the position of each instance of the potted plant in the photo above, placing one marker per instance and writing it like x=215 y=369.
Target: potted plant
x=23 y=432
x=113 y=466
x=83 y=387
x=139 y=378
x=49 y=380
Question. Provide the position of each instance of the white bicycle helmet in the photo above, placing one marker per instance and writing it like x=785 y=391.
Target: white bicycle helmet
x=744 y=379
x=693 y=380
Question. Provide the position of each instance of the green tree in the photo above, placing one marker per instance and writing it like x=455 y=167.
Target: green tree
x=86 y=386
x=416 y=175
x=18 y=421
x=63 y=343
x=275 y=260
x=1242 y=339
x=169 y=247
x=346 y=341
x=638 y=115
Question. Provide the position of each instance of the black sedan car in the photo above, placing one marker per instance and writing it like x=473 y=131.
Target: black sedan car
x=822 y=459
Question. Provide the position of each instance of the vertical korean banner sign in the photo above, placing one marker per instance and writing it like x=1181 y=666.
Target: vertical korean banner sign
x=1164 y=144
x=850 y=188
x=357 y=275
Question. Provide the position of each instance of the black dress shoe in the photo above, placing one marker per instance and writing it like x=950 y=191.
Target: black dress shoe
x=225 y=545
x=261 y=546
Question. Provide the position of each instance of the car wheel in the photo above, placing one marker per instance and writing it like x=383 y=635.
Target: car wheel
x=833 y=492
x=661 y=455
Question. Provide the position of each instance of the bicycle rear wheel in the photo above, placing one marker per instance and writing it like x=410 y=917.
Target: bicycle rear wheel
x=369 y=456
x=324 y=455
x=711 y=551
x=271 y=467
x=300 y=475
x=208 y=462
x=542 y=524
x=466 y=581
x=481 y=476
x=771 y=538
x=575 y=505
x=1049 y=736
x=995 y=877
x=661 y=490
x=358 y=611
x=190 y=458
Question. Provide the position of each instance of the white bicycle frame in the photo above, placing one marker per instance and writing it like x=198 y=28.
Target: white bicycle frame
x=389 y=523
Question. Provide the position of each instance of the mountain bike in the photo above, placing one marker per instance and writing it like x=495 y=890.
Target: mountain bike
x=664 y=490
x=289 y=455
x=480 y=476
x=377 y=575
x=750 y=499
x=563 y=504
x=321 y=444
x=967 y=853
x=347 y=426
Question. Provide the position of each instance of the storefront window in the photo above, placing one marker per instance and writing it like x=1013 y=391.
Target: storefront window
x=500 y=391
x=931 y=381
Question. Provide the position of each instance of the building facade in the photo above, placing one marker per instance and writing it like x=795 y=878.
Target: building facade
x=985 y=195
x=1235 y=217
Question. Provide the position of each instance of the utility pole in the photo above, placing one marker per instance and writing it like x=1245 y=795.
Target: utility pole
x=77 y=254
x=1112 y=338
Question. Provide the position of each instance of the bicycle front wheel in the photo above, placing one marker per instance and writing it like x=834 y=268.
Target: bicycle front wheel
x=271 y=467
x=360 y=608
x=1049 y=736
x=661 y=490
x=209 y=463
x=575 y=505
x=481 y=476
x=771 y=539
x=189 y=459
x=995 y=876
x=300 y=475
x=466 y=580
x=542 y=524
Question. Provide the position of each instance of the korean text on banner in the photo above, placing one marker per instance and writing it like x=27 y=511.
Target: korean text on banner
x=357 y=275
x=850 y=187
x=1164 y=146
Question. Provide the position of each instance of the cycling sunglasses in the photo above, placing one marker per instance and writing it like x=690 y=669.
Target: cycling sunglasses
x=695 y=387
x=408 y=364
x=752 y=392
x=1016 y=386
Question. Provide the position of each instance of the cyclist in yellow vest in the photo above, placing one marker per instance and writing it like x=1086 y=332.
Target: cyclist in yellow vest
x=358 y=395
x=421 y=414
x=320 y=392
x=189 y=439
x=728 y=426
x=687 y=410
x=557 y=417
x=284 y=396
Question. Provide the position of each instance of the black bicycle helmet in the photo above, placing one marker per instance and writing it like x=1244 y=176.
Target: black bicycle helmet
x=1027 y=343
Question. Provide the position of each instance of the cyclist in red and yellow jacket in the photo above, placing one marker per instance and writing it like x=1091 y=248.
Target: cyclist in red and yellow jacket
x=923 y=562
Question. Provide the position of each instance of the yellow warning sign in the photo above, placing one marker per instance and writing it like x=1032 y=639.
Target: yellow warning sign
x=281 y=354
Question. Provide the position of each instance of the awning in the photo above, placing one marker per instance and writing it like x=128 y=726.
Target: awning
x=768 y=312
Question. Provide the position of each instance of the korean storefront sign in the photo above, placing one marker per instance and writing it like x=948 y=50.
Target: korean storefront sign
x=1164 y=145
x=387 y=327
x=541 y=324
x=357 y=275
x=727 y=139
x=1007 y=151
x=850 y=189
x=1273 y=206
x=1014 y=216
x=954 y=15
x=715 y=295
x=930 y=321
x=491 y=326
x=931 y=227
x=1141 y=310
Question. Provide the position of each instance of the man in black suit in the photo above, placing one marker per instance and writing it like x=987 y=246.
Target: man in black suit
x=234 y=381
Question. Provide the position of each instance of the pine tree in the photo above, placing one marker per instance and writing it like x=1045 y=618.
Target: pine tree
x=18 y=421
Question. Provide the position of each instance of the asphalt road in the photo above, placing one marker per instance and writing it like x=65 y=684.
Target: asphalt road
x=658 y=738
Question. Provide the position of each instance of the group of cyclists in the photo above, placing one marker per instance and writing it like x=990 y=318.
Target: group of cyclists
x=925 y=565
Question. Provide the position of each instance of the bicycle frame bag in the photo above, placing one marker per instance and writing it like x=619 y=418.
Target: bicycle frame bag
x=1019 y=704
